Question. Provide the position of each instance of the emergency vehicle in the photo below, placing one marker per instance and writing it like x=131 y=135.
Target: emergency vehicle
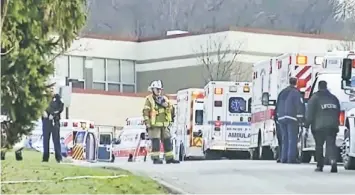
x=68 y=130
x=189 y=122
x=270 y=77
x=132 y=140
x=331 y=72
x=348 y=85
x=227 y=116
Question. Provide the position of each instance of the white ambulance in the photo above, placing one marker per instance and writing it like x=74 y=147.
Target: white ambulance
x=227 y=116
x=348 y=85
x=68 y=130
x=270 y=77
x=189 y=122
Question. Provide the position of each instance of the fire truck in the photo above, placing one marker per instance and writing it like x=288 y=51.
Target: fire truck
x=227 y=116
x=189 y=122
x=269 y=78
x=348 y=85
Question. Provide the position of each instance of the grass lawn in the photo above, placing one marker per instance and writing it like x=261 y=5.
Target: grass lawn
x=32 y=169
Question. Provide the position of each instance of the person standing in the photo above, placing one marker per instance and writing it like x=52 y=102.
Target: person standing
x=291 y=112
x=158 y=117
x=323 y=112
x=51 y=125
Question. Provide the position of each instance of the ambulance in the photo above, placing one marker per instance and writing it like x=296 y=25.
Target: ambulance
x=270 y=77
x=227 y=117
x=132 y=141
x=68 y=131
x=348 y=85
x=189 y=123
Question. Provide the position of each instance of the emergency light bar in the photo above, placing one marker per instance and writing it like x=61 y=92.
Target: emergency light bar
x=301 y=60
x=318 y=60
x=218 y=91
x=246 y=89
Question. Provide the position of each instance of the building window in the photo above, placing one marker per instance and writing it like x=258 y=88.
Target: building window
x=113 y=75
x=113 y=71
x=76 y=71
x=128 y=88
x=61 y=65
x=113 y=87
x=99 y=73
x=127 y=71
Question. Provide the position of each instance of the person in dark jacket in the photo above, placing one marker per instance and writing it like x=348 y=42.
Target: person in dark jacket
x=280 y=100
x=323 y=112
x=290 y=111
x=51 y=125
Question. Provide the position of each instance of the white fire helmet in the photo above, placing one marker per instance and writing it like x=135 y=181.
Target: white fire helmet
x=155 y=84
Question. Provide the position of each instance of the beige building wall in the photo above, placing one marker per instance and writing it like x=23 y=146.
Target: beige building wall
x=106 y=108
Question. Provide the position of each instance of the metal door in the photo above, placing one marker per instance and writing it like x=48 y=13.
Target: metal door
x=104 y=148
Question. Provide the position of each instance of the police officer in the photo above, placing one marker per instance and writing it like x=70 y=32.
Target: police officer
x=50 y=125
x=290 y=110
x=323 y=112
x=158 y=117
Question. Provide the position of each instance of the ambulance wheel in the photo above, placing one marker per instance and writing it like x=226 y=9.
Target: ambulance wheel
x=303 y=156
x=254 y=154
x=212 y=155
x=112 y=158
x=306 y=156
x=349 y=161
x=181 y=153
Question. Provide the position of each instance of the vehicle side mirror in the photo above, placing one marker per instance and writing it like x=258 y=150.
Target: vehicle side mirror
x=142 y=136
x=265 y=99
x=346 y=69
x=116 y=141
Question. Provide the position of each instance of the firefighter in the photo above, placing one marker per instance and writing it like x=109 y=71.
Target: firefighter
x=51 y=125
x=158 y=117
x=323 y=111
x=290 y=109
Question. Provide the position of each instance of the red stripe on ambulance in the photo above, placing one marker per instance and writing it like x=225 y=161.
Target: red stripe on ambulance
x=262 y=115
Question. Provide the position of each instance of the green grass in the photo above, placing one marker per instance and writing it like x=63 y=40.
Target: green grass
x=32 y=169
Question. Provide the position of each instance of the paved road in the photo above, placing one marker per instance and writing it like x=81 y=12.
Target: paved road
x=243 y=176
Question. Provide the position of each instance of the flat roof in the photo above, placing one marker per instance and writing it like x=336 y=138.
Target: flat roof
x=240 y=29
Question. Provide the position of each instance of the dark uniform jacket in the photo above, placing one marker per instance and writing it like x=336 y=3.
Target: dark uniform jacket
x=323 y=111
x=290 y=105
x=56 y=107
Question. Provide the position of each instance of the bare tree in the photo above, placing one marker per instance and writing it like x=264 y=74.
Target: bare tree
x=219 y=59
x=344 y=9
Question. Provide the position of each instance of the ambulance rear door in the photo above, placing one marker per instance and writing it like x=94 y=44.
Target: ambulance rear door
x=105 y=146
x=238 y=116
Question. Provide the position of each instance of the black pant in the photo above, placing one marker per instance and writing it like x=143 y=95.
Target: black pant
x=49 y=128
x=328 y=136
x=279 y=140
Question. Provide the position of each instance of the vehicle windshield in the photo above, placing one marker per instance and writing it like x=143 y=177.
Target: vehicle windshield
x=238 y=105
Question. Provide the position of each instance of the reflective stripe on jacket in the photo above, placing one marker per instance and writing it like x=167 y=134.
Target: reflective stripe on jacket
x=156 y=115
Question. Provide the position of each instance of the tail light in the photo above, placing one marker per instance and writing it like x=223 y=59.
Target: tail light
x=342 y=118
x=65 y=124
x=249 y=119
x=217 y=125
x=91 y=126
x=289 y=60
x=75 y=124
